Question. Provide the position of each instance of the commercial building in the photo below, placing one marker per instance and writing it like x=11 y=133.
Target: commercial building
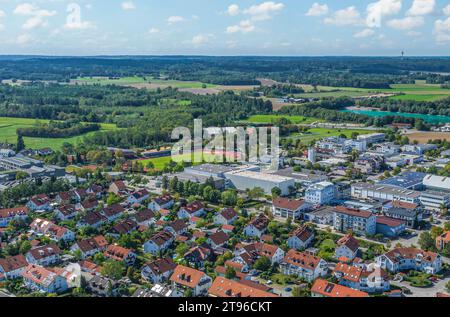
x=320 y=193
x=384 y=192
x=434 y=200
x=304 y=177
x=406 y=180
x=358 y=221
x=371 y=138
x=435 y=182
x=243 y=180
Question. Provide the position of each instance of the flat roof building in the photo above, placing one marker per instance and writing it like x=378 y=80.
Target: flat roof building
x=243 y=180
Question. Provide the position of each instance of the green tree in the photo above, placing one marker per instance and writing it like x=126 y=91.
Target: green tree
x=426 y=241
x=113 y=269
x=276 y=192
x=20 y=143
x=230 y=273
x=262 y=264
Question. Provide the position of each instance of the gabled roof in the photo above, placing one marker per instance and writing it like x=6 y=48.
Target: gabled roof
x=349 y=272
x=228 y=213
x=219 y=237
x=222 y=287
x=187 y=276
x=161 y=266
x=288 y=204
x=13 y=263
x=390 y=222
x=349 y=241
x=144 y=215
x=261 y=222
x=161 y=237
x=303 y=233
x=193 y=207
x=117 y=252
x=113 y=210
x=328 y=289
x=45 y=251
x=353 y=212
x=302 y=259
x=39 y=275
x=19 y=211
x=399 y=254
x=125 y=226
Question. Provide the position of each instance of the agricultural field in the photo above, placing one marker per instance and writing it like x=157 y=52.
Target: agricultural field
x=320 y=133
x=8 y=127
x=268 y=118
x=425 y=136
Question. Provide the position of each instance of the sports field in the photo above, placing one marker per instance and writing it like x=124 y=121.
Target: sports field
x=8 y=127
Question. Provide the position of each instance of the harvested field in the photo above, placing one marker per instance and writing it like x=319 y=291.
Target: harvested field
x=424 y=137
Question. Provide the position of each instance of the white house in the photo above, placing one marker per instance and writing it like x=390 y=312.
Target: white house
x=138 y=197
x=257 y=227
x=185 y=277
x=320 y=193
x=226 y=216
x=288 y=208
x=13 y=266
x=8 y=215
x=303 y=265
x=301 y=238
x=402 y=259
x=195 y=209
x=159 y=241
x=38 y=278
x=347 y=247
x=45 y=255
x=39 y=203
x=370 y=278
x=158 y=271
x=162 y=202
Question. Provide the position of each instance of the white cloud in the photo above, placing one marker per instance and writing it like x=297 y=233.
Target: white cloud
x=442 y=30
x=128 y=5
x=2 y=15
x=421 y=7
x=364 y=33
x=414 y=33
x=376 y=11
x=347 y=16
x=201 y=39
x=317 y=9
x=264 y=11
x=23 y=39
x=245 y=26
x=37 y=16
x=233 y=10
x=154 y=30
x=78 y=25
x=406 y=23
x=175 y=19
x=446 y=10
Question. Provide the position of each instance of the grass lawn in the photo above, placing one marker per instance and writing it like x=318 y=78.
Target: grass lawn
x=136 y=80
x=418 y=279
x=8 y=127
x=160 y=162
x=320 y=133
x=269 y=118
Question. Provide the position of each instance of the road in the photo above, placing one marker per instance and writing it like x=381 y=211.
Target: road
x=438 y=287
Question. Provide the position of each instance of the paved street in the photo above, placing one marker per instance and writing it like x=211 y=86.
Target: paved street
x=438 y=287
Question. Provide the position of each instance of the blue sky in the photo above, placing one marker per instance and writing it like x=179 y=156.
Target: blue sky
x=222 y=27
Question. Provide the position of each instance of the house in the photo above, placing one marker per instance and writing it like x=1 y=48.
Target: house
x=113 y=212
x=185 y=278
x=39 y=203
x=390 y=227
x=87 y=205
x=223 y=287
x=442 y=240
x=303 y=265
x=65 y=212
x=45 y=256
x=118 y=253
x=323 y=288
x=118 y=188
x=66 y=198
x=12 y=267
x=403 y=259
x=257 y=227
x=226 y=216
x=100 y=286
x=177 y=227
x=159 y=242
x=8 y=215
x=92 y=219
x=158 y=271
x=301 y=238
x=358 y=221
x=90 y=246
x=370 y=278
x=38 y=278
x=162 y=202
x=347 y=246
x=138 y=197
x=288 y=208
x=95 y=190
x=248 y=254
x=218 y=239
x=197 y=255
x=194 y=209
x=124 y=227
x=43 y=227
x=145 y=217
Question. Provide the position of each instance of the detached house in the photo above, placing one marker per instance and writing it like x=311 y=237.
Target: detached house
x=443 y=240
x=218 y=239
x=158 y=242
x=145 y=217
x=288 y=208
x=65 y=212
x=197 y=255
x=39 y=203
x=301 y=238
x=370 y=278
x=92 y=219
x=402 y=259
x=323 y=288
x=12 y=267
x=118 y=253
x=42 y=227
x=90 y=247
x=257 y=227
x=347 y=247
x=8 y=215
x=162 y=202
x=303 y=265
x=46 y=255
x=113 y=212
x=118 y=188
x=226 y=216
x=38 y=278
x=223 y=287
x=123 y=227
x=158 y=271
x=177 y=227
x=195 y=209
x=138 y=197
x=248 y=254
x=185 y=278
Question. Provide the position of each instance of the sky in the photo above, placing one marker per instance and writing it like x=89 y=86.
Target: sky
x=222 y=27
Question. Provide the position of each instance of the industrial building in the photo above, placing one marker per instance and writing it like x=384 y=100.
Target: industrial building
x=246 y=179
x=406 y=180
x=384 y=192
x=371 y=138
x=435 y=182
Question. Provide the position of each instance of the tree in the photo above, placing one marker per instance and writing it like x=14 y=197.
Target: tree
x=113 y=269
x=276 y=192
x=230 y=273
x=229 y=198
x=426 y=241
x=256 y=193
x=20 y=143
x=262 y=264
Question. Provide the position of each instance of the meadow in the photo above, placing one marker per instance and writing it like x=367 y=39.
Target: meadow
x=142 y=82
x=8 y=127
x=320 y=133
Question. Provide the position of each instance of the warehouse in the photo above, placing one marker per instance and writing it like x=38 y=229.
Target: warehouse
x=437 y=182
x=243 y=180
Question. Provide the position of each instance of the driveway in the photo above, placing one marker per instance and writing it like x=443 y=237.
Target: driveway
x=438 y=287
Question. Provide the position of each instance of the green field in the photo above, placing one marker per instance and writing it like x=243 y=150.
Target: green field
x=8 y=127
x=320 y=133
x=419 y=91
x=269 y=118
x=160 y=162
x=148 y=82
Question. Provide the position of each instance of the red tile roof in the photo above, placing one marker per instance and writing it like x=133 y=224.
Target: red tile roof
x=222 y=287
x=328 y=289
